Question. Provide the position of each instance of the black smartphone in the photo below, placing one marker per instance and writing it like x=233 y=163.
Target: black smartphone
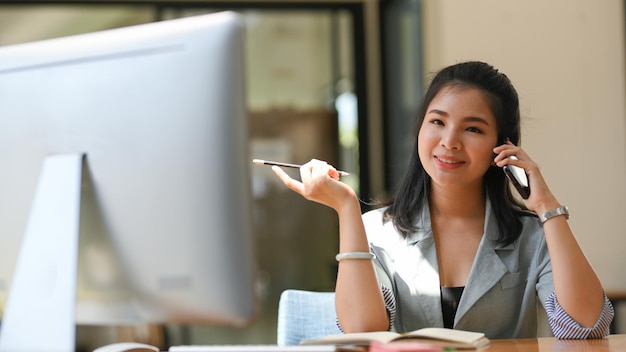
x=518 y=178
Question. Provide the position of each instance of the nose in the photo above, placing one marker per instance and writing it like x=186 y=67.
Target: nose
x=450 y=140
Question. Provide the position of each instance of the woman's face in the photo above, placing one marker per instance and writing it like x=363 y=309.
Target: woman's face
x=457 y=137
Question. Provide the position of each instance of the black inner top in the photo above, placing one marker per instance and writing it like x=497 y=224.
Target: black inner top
x=450 y=297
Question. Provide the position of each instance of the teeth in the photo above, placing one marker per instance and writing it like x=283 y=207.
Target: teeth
x=448 y=161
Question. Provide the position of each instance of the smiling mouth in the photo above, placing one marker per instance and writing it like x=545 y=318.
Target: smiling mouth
x=447 y=161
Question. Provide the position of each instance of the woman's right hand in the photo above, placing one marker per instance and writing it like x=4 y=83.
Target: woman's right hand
x=320 y=183
x=357 y=284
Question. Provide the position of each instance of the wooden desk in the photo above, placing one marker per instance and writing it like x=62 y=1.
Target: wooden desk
x=549 y=344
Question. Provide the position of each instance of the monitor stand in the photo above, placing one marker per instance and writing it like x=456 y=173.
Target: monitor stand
x=40 y=311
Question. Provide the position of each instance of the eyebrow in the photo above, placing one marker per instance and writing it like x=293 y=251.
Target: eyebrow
x=467 y=119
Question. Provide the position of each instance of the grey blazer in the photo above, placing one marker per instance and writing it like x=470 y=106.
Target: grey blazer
x=500 y=298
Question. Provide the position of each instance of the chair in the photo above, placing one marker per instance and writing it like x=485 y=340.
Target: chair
x=305 y=315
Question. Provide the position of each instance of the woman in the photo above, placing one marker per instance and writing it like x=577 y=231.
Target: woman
x=455 y=248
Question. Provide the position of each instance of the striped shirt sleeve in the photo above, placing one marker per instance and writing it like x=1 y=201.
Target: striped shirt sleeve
x=564 y=327
x=390 y=305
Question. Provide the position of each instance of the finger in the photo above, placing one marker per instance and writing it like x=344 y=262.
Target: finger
x=292 y=184
x=307 y=171
x=505 y=151
x=505 y=148
x=327 y=170
x=318 y=168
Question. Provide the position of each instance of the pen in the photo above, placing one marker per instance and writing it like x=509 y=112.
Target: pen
x=294 y=166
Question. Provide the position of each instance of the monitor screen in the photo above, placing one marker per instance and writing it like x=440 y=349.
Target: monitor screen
x=156 y=116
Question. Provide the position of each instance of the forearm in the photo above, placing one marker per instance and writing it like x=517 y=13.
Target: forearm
x=359 y=301
x=578 y=289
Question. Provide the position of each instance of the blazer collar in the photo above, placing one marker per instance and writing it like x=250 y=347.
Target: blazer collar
x=488 y=267
x=423 y=224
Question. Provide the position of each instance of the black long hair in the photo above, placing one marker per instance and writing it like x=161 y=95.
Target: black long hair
x=504 y=103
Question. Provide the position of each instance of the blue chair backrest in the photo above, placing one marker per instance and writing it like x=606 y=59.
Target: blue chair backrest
x=305 y=315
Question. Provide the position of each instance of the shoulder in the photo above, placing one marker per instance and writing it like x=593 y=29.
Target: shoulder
x=532 y=240
x=374 y=221
x=374 y=217
x=531 y=227
x=377 y=229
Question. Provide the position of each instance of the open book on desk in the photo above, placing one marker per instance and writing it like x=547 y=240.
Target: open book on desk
x=451 y=338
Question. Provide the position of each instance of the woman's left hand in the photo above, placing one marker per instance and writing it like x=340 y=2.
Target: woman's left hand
x=541 y=198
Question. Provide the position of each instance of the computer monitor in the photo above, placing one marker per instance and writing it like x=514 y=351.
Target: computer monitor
x=132 y=142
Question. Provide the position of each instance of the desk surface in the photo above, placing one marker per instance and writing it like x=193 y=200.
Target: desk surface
x=548 y=344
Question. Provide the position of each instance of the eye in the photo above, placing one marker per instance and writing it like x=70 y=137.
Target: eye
x=474 y=129
x=437 y=122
